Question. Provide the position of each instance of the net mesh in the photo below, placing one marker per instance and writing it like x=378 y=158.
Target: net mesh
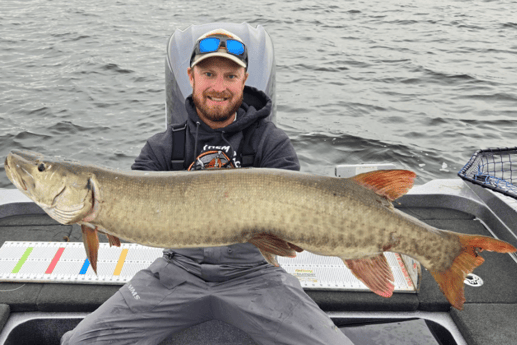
x=493 y=169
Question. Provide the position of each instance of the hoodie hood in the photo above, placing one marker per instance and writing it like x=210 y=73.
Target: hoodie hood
x=256 y=106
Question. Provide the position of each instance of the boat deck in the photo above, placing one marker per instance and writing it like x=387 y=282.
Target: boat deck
x=489 y=315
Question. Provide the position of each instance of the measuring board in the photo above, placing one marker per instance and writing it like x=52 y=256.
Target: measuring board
x=66 y=262
x=330 y=273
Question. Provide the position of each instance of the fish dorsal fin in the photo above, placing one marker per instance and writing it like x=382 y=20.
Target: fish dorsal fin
x=391 y=184
x=374 y=272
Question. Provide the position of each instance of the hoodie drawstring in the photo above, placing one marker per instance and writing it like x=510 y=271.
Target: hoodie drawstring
x=195 y=142
x=226 y=141
x=231 y=147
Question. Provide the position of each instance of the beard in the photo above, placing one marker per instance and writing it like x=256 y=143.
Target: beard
x=217 y=113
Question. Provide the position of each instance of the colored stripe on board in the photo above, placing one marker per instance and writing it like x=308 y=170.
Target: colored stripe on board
x=85 y=266
x=22 y=260
x=55 y=260
x=120 y=262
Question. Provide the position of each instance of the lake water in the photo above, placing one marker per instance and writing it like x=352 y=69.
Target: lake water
x=422 y=84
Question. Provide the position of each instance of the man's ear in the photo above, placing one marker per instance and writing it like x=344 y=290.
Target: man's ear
x=246 y=77
x=190 y=72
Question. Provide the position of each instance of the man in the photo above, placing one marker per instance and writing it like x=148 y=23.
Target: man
x=234 y=283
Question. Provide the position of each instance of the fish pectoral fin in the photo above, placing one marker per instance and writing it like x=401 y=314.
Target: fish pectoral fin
x=91 y=245
x=392 y=184
x=275 y=245
x=374 y=272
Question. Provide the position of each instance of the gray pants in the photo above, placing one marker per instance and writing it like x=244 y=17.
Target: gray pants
x=267 y=303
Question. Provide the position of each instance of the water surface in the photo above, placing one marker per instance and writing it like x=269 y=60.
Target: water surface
x=422 y=84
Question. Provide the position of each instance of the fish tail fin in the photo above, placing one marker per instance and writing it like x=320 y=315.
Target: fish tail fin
x=451 y=280
x=91 y=245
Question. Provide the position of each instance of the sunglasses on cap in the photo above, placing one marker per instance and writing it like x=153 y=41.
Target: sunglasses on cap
x=212 y=44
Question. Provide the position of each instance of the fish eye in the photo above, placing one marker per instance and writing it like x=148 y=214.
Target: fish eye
x=41 y=167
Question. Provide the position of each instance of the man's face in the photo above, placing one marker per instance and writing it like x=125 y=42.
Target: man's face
x=218 y=85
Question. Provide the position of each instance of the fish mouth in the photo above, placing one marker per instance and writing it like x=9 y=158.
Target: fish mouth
x=28 y=157
x=17 y=166
x=20 y=167
x=7 y=168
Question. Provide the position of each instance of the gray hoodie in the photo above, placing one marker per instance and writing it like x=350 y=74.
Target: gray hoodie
x=273 y=149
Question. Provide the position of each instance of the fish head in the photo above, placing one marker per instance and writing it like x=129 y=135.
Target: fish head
x=60 y=187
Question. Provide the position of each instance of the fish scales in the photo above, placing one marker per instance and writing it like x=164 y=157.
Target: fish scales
x=187 y=209
x=324 y=215
x=281 y=212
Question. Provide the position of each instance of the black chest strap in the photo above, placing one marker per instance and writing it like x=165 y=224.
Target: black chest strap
x=179 y=135
x=247 y=152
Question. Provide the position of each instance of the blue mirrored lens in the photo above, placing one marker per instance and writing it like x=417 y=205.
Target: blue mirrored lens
x=234 y=47
x=209 y=45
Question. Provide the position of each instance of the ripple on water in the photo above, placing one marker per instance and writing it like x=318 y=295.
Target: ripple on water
x=417 y=84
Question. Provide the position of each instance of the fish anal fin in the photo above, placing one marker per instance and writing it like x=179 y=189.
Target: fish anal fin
x=91 y=245
x=275 y=245
x=374 y=272
x=451 y=281
x=391 y=184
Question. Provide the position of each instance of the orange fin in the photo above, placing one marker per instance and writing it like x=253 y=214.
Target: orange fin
x=374 y=272
x=295 y=247
x=91 y=245
x=113 y=240
x=391 y=184
x=275 y=245
x=269 y=258
x=451 y=280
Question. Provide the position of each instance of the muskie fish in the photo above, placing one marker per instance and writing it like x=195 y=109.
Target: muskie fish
x=281 y=212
